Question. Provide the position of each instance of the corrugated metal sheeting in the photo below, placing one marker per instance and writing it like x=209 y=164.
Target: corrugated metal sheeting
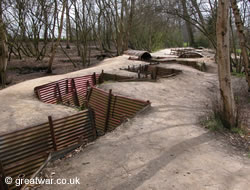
x=70 y=91
x=22 y=152
x=111 y=110
x=153 y=71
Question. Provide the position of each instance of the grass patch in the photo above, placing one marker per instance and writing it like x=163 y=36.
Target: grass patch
x=213 y=123
x=238 y=131
x=240 y=75
x=238 y=51
x=185 y=44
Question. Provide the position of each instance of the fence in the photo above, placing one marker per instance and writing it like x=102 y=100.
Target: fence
x=71 y=91
x=152 y=71
x=23 y=152
x=111 y=110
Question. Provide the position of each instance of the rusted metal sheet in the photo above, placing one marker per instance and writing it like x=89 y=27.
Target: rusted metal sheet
x=22 y=152
x=153 y=71
x=71 y=91
x=111 y=110
x=191 y=55
x=141 y=55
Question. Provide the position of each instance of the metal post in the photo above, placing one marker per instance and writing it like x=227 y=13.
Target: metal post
x=101 y=77
x=88 y=95
x=94 y=78
x=52 y=132
x=75 y=96
x=67 y=86
x=92 y=120
x=59 y=93
x=108 y=110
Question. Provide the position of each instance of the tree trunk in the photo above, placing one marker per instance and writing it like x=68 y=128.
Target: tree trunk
x=242 y=37
x=3 y=49
x=188 y=25
x=53 y=51
x=222 y=33
x=130 y=24
x=68 y=27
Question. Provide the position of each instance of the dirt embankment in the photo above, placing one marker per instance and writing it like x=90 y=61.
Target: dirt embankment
x=164 y=148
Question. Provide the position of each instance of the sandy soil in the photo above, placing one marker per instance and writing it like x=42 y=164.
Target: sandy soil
x=164 y=148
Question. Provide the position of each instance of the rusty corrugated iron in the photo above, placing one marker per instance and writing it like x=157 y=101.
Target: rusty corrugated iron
x=22 y=152
x=153 y=71
x=111 y=110
x=70 y=91
x=191 y=55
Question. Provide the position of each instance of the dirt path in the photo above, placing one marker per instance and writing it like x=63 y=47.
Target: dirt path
x=164 y=148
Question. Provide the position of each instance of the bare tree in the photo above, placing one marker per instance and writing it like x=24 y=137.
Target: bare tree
x=3 y=48
x=54 y=47
x=68 y=25
x=242 y=38
x=187 y=21
x=223 y=58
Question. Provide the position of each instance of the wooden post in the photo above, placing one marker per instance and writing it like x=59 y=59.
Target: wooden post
x=152 y=75
x=156 y=72
x=59 y=93
x=75 y=96
x=3 y=185
x=108 y=110
x=139 y=74
x=92 y=120
x=100 y=80
x=52 y=132
x=94 y=78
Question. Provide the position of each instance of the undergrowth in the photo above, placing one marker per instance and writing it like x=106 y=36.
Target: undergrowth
x=213 y=122
x=236 y=74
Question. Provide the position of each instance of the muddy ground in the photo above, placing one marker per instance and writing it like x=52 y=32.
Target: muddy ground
x=163 y=148
x=66 y=60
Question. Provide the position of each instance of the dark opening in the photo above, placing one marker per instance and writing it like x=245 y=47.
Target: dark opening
x=145 y=56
